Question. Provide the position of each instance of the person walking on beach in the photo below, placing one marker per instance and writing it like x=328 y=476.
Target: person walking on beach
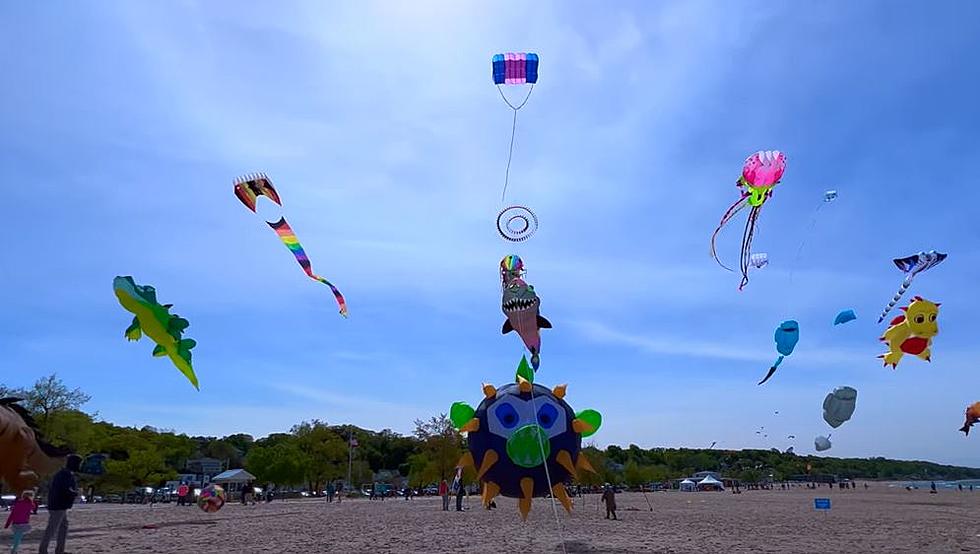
x=932 y=488
x=444 y=493
x=61 y=498
x=609 y=498
x=330 y=491
x=20 y=518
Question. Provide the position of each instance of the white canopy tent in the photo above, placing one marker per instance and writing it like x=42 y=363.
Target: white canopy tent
x=710 y=482
x=688 y=486
x=236 y=478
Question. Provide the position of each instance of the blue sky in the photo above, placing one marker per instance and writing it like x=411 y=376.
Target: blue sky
x=125 y=123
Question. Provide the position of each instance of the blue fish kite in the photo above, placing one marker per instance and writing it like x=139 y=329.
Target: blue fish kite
x=844 y=317
x=787 y=335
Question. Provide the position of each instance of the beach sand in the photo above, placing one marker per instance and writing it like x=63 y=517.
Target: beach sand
x=881 y=519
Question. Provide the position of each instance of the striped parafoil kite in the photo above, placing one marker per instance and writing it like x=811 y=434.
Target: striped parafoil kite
x=512 y=69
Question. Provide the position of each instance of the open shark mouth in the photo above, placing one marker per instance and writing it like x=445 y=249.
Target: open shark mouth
x=520 y=304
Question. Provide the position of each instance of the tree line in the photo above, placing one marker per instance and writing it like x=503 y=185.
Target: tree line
x=314 y=453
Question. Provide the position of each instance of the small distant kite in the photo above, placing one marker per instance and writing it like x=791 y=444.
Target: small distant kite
x=844 y=317
x=791 y=437
x=912 y=333
x=760 y=173
x=822 y=443
x=512 y=69
x=248 y=188
x=912 y=266
x=839 y=406
x=972 y=416
x=828 y=197
x=759 y=260
x=786 y=336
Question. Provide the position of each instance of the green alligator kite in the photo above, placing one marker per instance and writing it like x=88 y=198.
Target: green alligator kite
x=156 y=321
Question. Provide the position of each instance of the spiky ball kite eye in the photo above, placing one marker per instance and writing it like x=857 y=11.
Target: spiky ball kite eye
x=517 y=223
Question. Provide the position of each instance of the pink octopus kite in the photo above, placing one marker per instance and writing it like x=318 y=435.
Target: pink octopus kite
x=761 y=172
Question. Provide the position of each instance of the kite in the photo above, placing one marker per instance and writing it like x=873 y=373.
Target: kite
x=911 y=333
x=761 y=172
x=157 y=323
x=511 y=267
x=26 y=456
x=525 y=441
x=514 y=69
x=786 y=336
x=248 y=188
x=212 y=499
x=791 y=437
x=759 y=260
x=912 y=266
x=839 y=406
x=522 y=306
x=822 y=443
x=972 y=416
x=789 y=451
x=844 y=317
x=828 y=197
x=516 y=223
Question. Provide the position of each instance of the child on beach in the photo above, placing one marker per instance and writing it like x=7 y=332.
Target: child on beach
x=609 y=497
x=20 y=518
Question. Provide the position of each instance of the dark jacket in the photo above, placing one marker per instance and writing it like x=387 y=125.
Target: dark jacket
x=63 y=491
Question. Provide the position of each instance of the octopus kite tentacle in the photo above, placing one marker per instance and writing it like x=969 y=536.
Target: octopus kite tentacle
x=288 y=238
x=733 y=210
x=746 y=256
x=898 y=296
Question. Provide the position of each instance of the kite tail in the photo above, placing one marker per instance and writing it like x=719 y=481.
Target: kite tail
x=292 y=243
x=732 y=212
x=898 y=295
x=747 y=244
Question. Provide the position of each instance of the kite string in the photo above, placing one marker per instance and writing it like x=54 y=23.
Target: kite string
x=547 y=474
x=513 y=133
x=799 y=252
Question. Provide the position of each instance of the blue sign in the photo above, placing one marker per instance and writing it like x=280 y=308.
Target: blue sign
x=821 y=503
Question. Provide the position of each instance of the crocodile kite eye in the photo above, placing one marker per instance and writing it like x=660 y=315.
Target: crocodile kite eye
x=932 y=317
x=920 y=318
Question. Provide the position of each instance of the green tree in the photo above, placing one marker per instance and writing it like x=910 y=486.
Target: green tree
x=441 y=447
x=50 y=395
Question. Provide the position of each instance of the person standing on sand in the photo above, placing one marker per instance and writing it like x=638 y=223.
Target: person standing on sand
x=61 y=498
x=330 y=492
x=444 y=493
x=609 y=498
x=932 y=488
x=460 y=493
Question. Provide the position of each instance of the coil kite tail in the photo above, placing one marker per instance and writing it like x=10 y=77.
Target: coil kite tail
x=898 y=296
x=732 y=212
x=292 y=243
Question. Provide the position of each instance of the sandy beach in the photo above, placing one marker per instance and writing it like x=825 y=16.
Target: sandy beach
x=878 y=520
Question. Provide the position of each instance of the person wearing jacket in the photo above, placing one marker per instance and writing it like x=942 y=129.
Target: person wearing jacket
x=20 y=518
x=609 y=497
x=61 y=498
x=444 y=493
